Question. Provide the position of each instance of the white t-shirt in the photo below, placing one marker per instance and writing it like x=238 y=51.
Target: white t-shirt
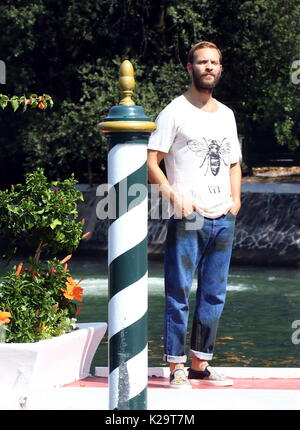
x=200 y=147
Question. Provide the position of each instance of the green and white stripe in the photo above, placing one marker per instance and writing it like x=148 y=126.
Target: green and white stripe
x=127 y=260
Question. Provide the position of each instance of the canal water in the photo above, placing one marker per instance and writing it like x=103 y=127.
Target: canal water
x=258 y=325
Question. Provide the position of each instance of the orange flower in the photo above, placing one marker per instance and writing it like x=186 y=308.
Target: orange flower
x=19 y=268
x=52 y=271
x=41 y=105
x=67 y=258
x=5 y=317
x=73 y=290
x=86 y=235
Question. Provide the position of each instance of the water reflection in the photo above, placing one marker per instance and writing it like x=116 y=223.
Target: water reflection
x=255 y=328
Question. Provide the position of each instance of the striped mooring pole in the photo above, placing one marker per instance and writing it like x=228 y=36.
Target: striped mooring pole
x=127 y=129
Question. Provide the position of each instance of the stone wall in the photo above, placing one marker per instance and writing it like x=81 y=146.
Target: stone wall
x=267 y=227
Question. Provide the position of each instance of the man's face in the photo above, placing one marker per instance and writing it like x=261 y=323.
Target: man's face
x=206 y=68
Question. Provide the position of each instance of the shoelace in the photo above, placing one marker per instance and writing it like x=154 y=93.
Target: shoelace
x=214 y=374
x=181 y=376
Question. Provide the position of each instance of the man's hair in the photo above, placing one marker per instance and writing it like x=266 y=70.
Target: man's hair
x=201 y=45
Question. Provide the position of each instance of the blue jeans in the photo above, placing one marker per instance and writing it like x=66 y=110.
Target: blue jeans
x=207 y=248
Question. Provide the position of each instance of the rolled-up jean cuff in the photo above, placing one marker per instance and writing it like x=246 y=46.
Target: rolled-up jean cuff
x=201 y=355
x=175 y=359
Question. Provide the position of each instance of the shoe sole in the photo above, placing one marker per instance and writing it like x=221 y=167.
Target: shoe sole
x=209 y=382
x=187 y=386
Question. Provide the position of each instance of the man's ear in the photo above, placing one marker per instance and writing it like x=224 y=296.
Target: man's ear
x=189 y=68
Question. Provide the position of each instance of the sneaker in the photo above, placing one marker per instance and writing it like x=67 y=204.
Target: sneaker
x=178 y=379
x=209 y=376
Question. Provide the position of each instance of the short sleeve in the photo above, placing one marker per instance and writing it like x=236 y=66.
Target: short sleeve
x=162 y=138
x=235 y=150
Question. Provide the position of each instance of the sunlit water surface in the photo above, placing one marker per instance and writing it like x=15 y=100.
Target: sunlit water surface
x=256 y=324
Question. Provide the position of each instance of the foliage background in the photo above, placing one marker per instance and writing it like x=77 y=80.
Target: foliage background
x=72 y=50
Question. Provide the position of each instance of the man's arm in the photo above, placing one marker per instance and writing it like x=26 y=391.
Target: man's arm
x=156 y=176
x=235 y=185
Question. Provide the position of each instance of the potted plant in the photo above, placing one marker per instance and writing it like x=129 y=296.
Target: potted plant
x=39 y=299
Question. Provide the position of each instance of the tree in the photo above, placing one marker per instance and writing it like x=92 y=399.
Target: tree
x=261 y=42
x=73 y=49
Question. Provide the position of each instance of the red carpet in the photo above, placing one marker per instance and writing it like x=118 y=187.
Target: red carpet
x=239 y=383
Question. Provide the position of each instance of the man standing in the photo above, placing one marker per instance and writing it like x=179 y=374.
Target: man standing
x=196 y=136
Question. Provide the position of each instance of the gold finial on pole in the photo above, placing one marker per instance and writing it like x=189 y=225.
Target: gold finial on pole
x=126 y=82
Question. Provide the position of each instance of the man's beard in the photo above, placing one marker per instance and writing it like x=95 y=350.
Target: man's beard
x=200 y=83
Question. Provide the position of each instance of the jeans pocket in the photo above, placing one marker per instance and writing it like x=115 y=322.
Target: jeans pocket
x=230 y=215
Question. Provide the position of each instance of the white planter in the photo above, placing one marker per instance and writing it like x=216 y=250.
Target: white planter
x=49 y=363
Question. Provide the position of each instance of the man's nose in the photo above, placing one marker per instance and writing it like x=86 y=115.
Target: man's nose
x=209 y=65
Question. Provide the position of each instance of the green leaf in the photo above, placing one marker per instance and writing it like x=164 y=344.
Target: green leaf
x=14 y=101
x=34 y=102
x=3 y=101
x=55 y=223
x=13 y=209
